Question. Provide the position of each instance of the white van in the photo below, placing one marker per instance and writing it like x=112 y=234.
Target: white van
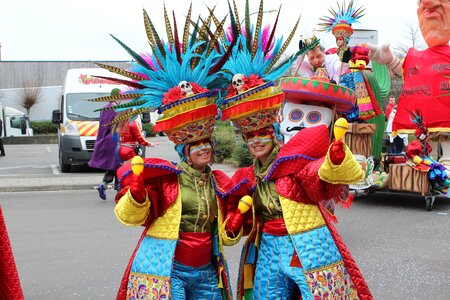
x=78 y=123
x=15 y=122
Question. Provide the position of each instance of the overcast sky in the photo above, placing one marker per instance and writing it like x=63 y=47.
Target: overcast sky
x=79 y=30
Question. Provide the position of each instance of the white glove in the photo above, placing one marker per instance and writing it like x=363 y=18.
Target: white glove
x=382 y=55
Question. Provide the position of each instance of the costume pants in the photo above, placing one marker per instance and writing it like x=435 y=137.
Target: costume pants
x=274 y=277
x=194 y=283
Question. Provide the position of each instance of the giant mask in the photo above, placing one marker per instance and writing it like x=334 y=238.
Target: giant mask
x=299 y=116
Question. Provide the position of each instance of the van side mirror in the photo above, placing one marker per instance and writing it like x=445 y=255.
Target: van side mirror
x=56 y=116
x=145 y=117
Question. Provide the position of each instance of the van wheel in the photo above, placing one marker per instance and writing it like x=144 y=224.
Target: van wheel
x=64 y=167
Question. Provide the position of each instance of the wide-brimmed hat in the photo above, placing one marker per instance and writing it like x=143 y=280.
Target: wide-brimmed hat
x=255 y=108
x=189 y=119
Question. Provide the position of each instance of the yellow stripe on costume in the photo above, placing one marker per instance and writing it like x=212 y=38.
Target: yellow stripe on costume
x=167 y=226
x=248 y=276
x=131 y=213
x=300 y=217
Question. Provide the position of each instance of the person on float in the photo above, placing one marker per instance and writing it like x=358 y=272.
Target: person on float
x=318 y=61
x=182 y=206
x=288 y=185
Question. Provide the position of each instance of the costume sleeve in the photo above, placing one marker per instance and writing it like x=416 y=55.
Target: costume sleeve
x=313 y=187
x=137 y=134
x=129 y=212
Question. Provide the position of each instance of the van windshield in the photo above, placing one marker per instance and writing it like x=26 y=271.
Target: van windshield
x=77 y=108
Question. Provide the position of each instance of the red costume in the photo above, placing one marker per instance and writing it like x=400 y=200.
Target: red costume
x=426 y=87
x=130 y=139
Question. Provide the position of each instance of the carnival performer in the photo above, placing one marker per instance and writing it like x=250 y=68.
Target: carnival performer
x=292 y=249
x=425 y=73
x=340 y=24
x=182 y=206
x=129 y=136
x=317 y=60
x=104 y=156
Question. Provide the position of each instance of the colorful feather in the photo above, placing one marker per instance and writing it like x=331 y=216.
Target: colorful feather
x=133 y=54
x=168 y=27
x=122 y=105
x=132 y=84
x=257 y=29
x=121 y=71
x=111 y=98
x=186 y=29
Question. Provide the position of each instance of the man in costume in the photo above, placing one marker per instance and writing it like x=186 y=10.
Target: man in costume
x=182 y=206
x=317 y=61
x=292 y=250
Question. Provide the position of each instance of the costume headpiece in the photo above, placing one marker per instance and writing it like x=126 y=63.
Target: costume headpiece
x=179 y=79
x=253 y=100
x=308 y=44
x=340 y=22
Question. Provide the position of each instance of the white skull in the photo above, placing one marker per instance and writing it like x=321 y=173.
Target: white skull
x=238 y=81
x=298 y=116
x=186 y=87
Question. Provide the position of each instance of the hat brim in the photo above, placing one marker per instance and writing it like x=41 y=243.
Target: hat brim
x=300 y=90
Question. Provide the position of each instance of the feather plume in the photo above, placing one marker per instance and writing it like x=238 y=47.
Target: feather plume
x=120 y=71
x=186 y=29
x=127 y=115
x=148 y=31
x=283 y=48
x=111 y=98
x=123 y=105
x=213 y=42
x=269 y=42
x=132 y=84
x=168 y=27
x=177 y=41
x=247 y=25
x=133 y=54
x=257 y=29
x=238 y=23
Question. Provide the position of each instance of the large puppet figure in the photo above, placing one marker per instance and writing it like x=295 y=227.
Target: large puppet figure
x=426 y=73
x=182 y=206
x=291 y=249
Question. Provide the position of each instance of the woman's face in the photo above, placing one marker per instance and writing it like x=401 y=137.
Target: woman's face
x=260 y=143
x=434 y=21
x=200 y=153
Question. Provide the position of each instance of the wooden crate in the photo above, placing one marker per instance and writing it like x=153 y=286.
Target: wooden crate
x=405 y=178
x=359 y=138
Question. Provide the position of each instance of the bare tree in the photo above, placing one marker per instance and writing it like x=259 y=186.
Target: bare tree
x=30 y=96
x=412 y=38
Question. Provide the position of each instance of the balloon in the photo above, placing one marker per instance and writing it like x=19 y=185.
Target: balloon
x=137 y=165
x=245 y=203
x=340 y=128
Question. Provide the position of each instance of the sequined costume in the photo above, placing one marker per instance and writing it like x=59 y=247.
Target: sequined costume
x=182 y=203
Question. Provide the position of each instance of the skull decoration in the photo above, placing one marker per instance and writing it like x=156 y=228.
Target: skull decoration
x=238 y=82
x=186 y=87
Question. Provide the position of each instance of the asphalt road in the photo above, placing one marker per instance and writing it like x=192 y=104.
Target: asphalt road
x=68 y=244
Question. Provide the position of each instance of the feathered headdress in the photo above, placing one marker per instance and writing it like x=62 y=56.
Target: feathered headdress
x=179 y=78
x=255 y=62
x=341 y=20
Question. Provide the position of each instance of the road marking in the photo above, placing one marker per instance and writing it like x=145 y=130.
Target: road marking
x=55 y=169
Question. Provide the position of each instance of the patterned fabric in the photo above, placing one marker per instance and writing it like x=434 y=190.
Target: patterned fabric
x=144 y=286
x=331 y=283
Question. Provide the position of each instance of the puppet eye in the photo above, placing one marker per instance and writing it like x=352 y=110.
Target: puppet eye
x=314 y=117
x=296 y=115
